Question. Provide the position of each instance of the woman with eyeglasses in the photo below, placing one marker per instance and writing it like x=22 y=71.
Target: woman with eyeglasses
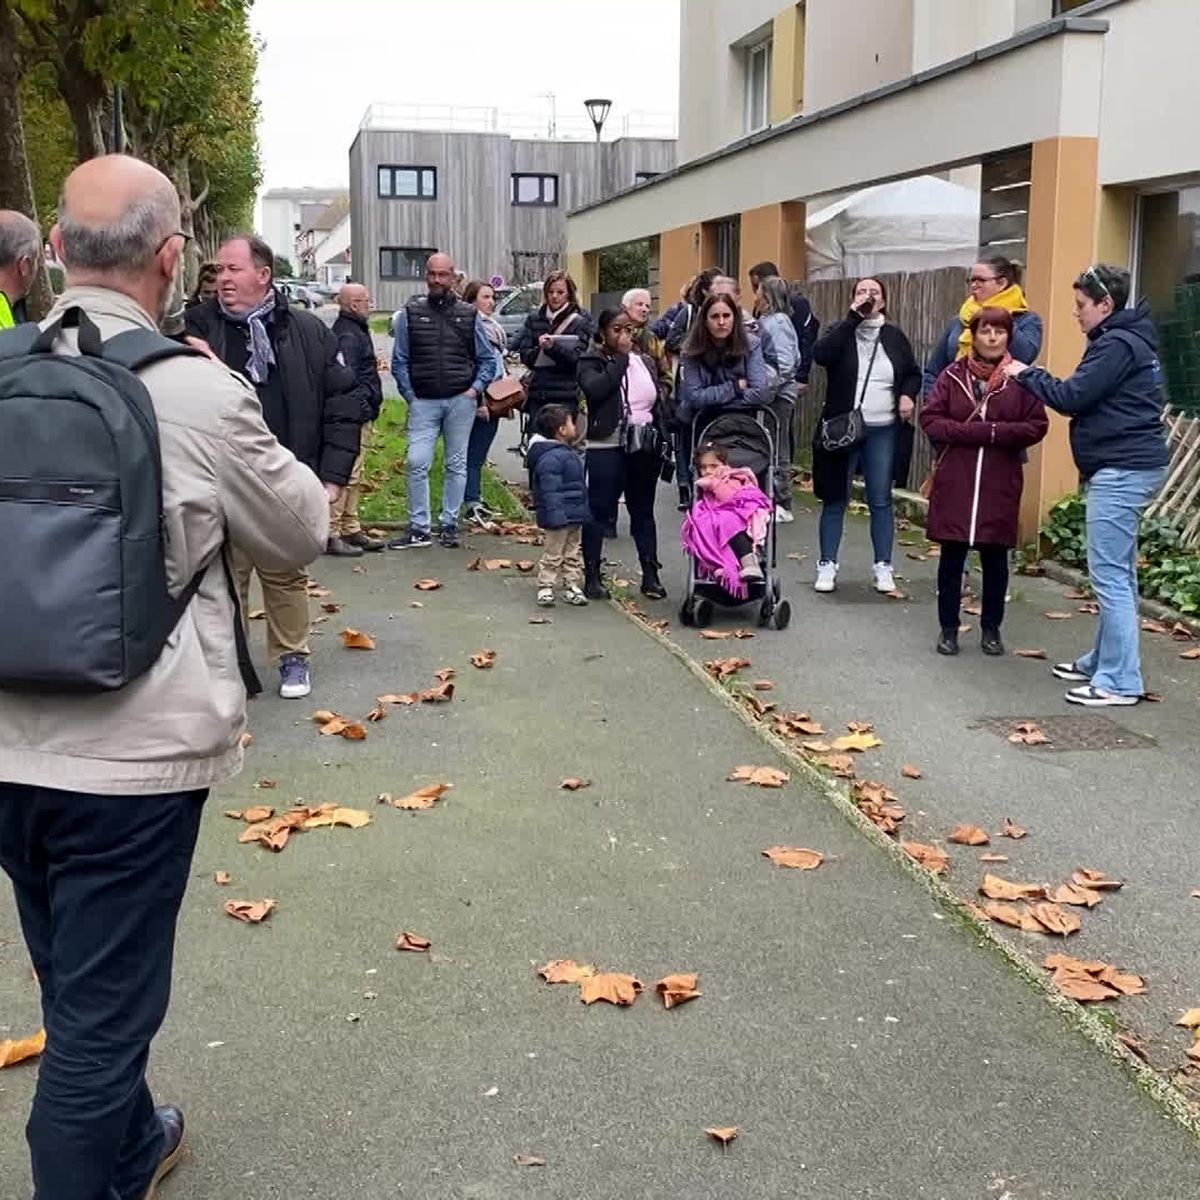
x=993 y=282
x=1115 y=402
x=626 y=430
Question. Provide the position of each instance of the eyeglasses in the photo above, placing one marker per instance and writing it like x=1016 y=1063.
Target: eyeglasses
x=187 y=237
x=1090 y=273
x=972 y=279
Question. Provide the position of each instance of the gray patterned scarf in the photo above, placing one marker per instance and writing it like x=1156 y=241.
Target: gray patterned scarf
x=262 y=355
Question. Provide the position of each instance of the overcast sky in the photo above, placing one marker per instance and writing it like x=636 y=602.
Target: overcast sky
x=324 y=63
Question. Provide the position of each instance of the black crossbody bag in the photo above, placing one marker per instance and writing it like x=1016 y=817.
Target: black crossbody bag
x=840 y=434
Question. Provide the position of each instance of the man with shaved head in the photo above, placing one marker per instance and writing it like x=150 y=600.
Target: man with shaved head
x=346 y=534
x=20 y=249
x=101 y=793
x=442 y=361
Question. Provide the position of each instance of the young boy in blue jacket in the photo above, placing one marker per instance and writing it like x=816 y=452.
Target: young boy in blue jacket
x=559 y=489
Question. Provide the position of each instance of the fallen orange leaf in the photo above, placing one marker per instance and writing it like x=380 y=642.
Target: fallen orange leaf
x=996 y=888
x=1072 y=893
x=335 y=814
x=427 y=585
x=257 y=813
x=1152 y=626
x=932 y=858
x=768 y=777
x=1028 y=733
x=425 y=797
x=1089 y=878
x=1030 y=653
x=722 y=668
x=246 y=739
x=1005 y=914
x=842 y=765
x=15 y=1050
x=764 y=685
x=525 y=565
x=857 y=742
x=266 y=784
x=405 y=940
x=613 y=987
x=399 y=698
x=1056 y=919
x=529 y=1160
x=379 y=712
x=910 y=772
x=1193 y=653
x=1012 y=830
x=1125 y=982
x=483 y=659
x=968 y=835
x=1083 y=987
x=791 y=724
x=724 y=1135
x=437 y=695
x=993 y=858
x=566 y=970
x=250 y=911
x=356 y=639
x=444 y=674
x=861 y=726
x=222 y=877
x=574 y=784
x=1057 y=616
x=794 y=856
x=677 y=989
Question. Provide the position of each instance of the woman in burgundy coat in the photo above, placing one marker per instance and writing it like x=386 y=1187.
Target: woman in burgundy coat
x=980 y=422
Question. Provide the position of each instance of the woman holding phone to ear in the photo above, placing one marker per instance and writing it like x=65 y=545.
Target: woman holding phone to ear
x=873 y=379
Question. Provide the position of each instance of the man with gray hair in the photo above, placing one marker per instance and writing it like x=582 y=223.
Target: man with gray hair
x=101 y=793
x=20 y=249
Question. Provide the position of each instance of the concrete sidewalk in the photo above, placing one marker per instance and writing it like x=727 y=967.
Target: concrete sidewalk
x=1127 y=807
x=866 y=1045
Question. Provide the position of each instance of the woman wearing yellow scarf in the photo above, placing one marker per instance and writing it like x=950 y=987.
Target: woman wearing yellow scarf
x=993 y=282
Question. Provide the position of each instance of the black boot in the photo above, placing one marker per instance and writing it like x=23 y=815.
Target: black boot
x=651 y=584
x=685 y=497
x=990 y=643
x=947 y=642
x=593 y=585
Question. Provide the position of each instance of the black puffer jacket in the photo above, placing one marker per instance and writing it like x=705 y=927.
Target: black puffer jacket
x=602 y=380
x=358 y=353
x=552 y=378
x=318 y=418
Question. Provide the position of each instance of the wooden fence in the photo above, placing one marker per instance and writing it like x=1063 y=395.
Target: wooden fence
x=1179 y=499
x=920 y=303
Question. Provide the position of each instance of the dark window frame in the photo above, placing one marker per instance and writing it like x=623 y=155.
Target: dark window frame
x=423 y=251
x=645 y=176
x=514 y=188
x=418 y=168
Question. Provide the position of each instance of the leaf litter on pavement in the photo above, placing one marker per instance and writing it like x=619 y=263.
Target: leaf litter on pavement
x=794 y=856
x=18 y=1050
x=767 y=777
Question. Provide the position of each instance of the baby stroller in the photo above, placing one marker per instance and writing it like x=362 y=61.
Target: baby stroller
x=748 y=436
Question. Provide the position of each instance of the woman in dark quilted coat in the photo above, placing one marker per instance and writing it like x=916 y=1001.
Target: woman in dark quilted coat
x=981 y=426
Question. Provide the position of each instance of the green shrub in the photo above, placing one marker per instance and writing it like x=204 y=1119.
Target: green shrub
x=1167 y=570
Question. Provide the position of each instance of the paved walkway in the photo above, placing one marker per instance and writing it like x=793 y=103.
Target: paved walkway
x=865 y=1043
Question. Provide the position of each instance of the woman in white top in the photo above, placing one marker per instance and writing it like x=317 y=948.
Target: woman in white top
x=869 y=365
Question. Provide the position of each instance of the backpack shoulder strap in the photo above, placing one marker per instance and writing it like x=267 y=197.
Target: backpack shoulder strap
x=136 y=349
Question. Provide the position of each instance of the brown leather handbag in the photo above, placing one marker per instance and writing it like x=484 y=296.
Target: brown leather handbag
x=504 y=396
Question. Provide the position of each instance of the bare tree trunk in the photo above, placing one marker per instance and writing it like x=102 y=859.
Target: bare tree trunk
x=84 y=94
x=16 y=186
x=181 y=176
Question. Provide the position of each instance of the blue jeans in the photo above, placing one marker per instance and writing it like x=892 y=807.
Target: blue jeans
x=98 y=881
x=483 y=434
x=875 y=457
x=452 y=418
x=1116 y=499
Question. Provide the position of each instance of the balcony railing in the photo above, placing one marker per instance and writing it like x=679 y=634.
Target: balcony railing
x=533 y=124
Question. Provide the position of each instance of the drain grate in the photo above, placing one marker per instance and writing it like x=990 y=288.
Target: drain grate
x=1068 y=732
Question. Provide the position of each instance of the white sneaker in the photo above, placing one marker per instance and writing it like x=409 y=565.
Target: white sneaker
x=826 y=577
x=885 y=581
x=783 y=515
x=545 y=597
x=575 y=597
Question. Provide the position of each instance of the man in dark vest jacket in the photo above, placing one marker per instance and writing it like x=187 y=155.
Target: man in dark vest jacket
x=442 y=362
x=308 y=403
x=346 y=536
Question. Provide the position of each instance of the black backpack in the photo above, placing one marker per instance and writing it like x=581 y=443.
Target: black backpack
x=84 y=605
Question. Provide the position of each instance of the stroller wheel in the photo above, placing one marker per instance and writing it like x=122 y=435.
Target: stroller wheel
x=686 y=616
x=782 y=616
x=776 y=589
x=702 y=613
x=765 y=610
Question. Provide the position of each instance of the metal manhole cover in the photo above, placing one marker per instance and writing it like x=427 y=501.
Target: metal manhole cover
x=1068 y=732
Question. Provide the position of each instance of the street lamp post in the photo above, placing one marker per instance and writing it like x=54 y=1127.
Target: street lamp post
x=598 y=110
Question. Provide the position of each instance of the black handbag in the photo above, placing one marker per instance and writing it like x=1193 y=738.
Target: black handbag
x=637 y=439
x=840 y=434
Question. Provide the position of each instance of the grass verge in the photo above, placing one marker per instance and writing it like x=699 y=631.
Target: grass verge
x=385 y=496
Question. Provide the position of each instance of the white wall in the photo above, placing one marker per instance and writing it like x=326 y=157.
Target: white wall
x=1148 y=97
x=275 y=226
x=711 y=76
x=947 y=29
x=846 y=55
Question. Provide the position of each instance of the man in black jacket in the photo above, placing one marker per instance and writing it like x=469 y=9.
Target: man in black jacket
x=346 y=536
x=307 y=397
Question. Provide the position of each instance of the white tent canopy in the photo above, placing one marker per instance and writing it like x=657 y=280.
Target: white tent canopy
x=916 y=224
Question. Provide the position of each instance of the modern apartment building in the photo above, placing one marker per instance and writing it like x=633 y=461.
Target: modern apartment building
x=497 y=203
x=285 y=212
x=1076 y=113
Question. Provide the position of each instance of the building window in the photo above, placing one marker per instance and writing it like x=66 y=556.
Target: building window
x=1061 y=7
x=645 y=176
x=403 y=262
x=758 y=86
x=407 y=183
x=537 y=190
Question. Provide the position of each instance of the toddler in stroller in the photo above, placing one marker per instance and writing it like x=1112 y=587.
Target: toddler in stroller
x=729 y=533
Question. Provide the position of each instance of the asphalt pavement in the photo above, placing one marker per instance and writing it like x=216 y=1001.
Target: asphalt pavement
x=864 y=1041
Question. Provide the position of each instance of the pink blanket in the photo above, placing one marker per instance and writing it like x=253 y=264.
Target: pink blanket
x=712 y=522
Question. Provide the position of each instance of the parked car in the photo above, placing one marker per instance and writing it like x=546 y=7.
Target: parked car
x=300 y=294
x=512 y=310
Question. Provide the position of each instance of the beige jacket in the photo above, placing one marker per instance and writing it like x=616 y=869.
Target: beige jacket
x=179 y=726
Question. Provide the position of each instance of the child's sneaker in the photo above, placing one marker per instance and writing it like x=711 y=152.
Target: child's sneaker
x=574 y=596
x=751 y=571
x=545 y=597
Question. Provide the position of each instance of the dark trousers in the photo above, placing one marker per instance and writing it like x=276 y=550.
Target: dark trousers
x=98 y=883
x=951 y=565
x=609 y=473
x=483 y=434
